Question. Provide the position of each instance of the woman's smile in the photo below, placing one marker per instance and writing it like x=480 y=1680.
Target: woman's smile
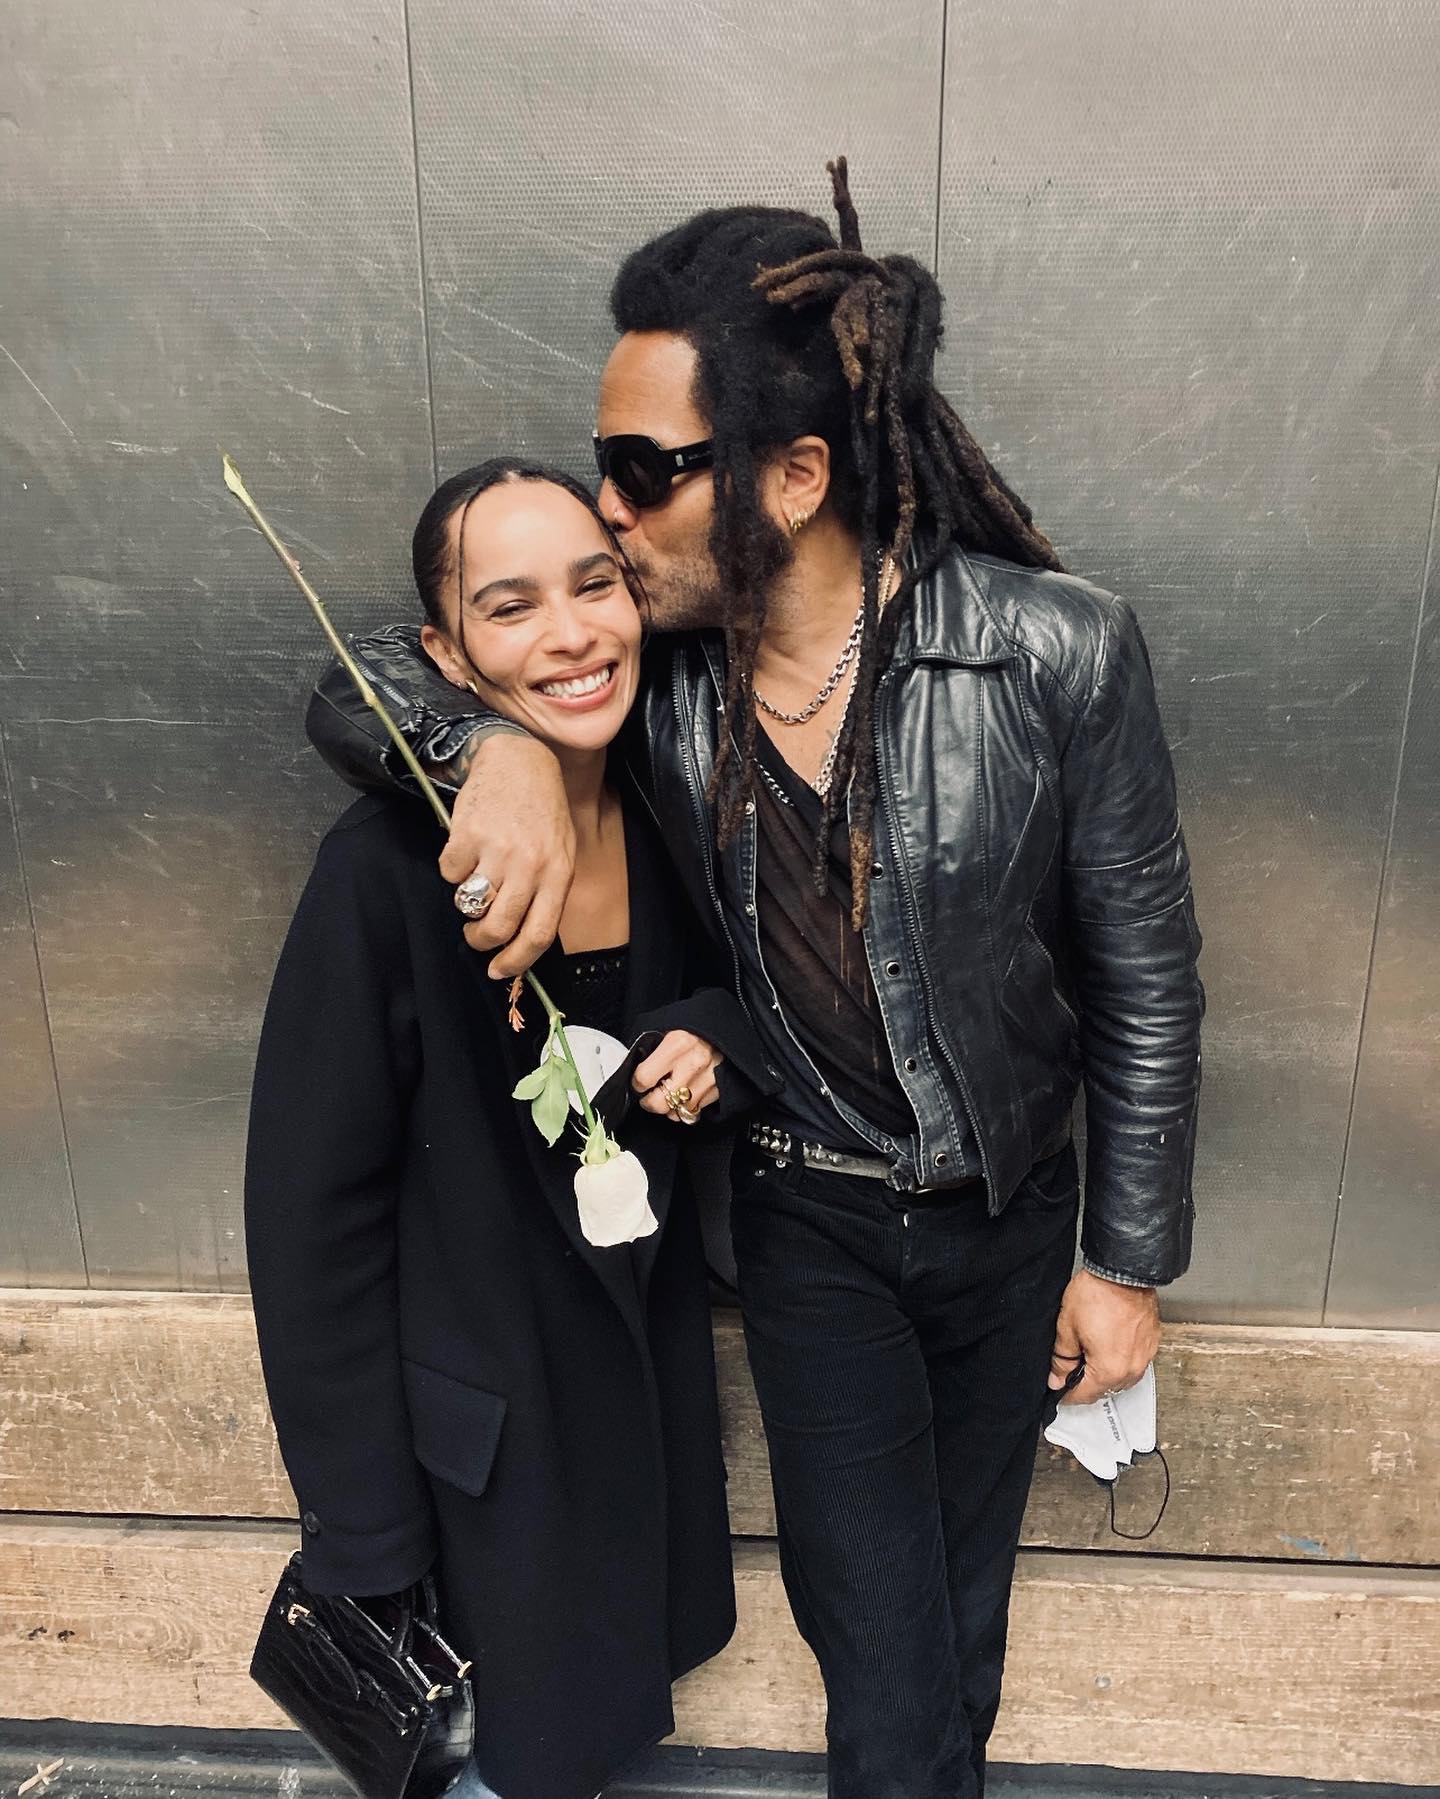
x=540 y=619
x=582 y=691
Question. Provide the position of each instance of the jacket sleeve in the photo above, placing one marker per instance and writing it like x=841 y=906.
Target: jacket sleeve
x=743 y=1078
x=338 y=1060
x=437 y=719
x=1134 y=945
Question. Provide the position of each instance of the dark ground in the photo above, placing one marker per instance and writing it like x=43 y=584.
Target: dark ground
x=119 y=1762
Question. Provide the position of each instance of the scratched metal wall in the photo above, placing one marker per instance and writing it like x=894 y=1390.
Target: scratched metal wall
x=1192 y=258
x=1193 y=263
x=209 y=239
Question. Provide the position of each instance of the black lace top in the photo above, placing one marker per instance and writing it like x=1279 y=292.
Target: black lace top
x=589 y=988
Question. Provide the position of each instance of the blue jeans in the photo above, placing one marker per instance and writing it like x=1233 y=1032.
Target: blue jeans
x=470 y=1785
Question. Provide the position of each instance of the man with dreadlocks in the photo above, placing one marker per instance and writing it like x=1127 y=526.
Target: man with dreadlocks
x=915 y=780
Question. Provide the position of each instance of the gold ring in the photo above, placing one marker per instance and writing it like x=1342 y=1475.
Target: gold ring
x=677 y=1098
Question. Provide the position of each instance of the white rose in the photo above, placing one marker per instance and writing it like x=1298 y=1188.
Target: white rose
x=614 y=1200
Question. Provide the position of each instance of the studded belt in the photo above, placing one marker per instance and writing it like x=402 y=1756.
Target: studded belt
x=786 y=1148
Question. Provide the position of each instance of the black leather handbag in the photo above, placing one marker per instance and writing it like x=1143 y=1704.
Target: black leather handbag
x=376 y=1688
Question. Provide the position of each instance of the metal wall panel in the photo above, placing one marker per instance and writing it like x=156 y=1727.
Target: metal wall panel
x=39 y=1231
x=1191 y=256
x=554 y=137
x=1387 y=1248
x=164 y=866
x=210 y=240
x=1192 y=259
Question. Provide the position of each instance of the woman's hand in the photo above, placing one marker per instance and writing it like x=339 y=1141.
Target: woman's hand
x=681 y=1061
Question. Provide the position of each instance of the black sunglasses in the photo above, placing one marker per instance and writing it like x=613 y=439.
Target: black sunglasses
x=641 y=471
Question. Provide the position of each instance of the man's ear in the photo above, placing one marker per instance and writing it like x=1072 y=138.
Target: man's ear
x=798 y=480
x=438 y=647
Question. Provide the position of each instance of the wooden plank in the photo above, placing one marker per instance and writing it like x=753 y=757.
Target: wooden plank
x=1292 y=1444
x=1315 y=1672
x=136 y=1622
x=1287 y=1444
x=1321 y=1672
x=135 y=1403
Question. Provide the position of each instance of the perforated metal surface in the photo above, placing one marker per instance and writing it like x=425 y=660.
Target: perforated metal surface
x=1191 y=258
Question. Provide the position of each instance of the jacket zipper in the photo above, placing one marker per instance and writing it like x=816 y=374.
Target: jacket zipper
x=1058 y=996
x=697 y=804
x=391 y=692
x=913 y=918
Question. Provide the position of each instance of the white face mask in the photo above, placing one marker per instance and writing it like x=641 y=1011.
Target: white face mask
x=1107 y=1434
x=1136 y=1407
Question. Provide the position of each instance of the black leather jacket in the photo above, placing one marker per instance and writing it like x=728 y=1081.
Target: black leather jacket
x=1031 y=923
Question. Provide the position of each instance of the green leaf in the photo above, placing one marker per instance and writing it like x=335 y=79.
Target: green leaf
x=551 y=1107
x=533 y=1085
x=568 y=1070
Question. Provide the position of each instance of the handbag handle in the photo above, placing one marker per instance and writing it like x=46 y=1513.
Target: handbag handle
x=436 y=1669
x=398 y=1636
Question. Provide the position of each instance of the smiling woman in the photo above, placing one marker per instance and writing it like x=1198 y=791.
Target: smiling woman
x=449 y=1346
x=530 y=603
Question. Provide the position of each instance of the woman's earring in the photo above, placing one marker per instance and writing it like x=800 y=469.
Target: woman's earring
x=799 y=522
x=473 y=688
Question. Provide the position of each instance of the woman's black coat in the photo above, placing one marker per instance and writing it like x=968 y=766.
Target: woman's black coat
x=457 y=1378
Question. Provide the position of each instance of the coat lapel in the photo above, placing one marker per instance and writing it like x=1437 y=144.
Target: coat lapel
x=654 y=978
x=657 y=917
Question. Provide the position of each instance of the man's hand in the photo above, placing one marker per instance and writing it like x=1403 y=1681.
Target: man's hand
x=1115 y=1328
x=511 y=823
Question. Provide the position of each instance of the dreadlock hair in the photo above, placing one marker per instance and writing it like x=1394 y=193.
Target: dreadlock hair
x=432 y=560
x=795 y=335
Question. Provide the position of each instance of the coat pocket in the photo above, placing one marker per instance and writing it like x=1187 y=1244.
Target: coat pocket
x=455 y=1427
x=1044 y=1032
x=1028 y=874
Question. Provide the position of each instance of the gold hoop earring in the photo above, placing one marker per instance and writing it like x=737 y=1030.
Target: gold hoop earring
x=799 y=522
x=473 y=688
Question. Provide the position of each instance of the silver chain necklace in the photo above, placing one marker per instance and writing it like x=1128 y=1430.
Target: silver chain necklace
x=837 y=674
x=827 y=767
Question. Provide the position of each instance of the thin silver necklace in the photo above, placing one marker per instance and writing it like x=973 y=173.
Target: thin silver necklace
x=837 y=674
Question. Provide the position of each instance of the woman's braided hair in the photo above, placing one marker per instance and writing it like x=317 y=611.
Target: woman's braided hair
x=797 y=335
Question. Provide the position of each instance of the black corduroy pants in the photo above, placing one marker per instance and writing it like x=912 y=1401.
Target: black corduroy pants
x=900 y=1345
